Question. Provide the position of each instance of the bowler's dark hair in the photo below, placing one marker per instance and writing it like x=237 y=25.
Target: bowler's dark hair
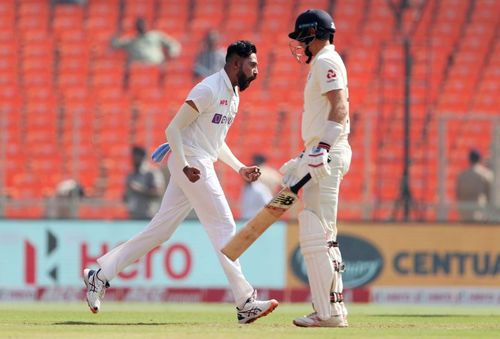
x=242 y=48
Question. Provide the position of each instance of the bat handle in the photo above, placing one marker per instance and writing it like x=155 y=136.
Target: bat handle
x=295 y=188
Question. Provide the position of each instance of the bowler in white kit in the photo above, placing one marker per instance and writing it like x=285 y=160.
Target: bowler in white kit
x=197 y=136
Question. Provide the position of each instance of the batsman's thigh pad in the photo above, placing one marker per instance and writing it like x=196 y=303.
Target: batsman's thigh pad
x=323 y=197
x=320 y=271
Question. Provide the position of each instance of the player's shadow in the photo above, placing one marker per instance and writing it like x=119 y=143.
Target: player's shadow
x=86 y=323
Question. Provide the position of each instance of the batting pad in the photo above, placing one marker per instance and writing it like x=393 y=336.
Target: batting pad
x=320 y=271
x=338 y=308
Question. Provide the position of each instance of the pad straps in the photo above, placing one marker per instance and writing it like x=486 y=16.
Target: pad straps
x=336 y=297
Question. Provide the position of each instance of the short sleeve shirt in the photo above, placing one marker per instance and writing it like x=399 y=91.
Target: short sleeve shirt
x=327 y=73
x=217 y=103
x=148 y=48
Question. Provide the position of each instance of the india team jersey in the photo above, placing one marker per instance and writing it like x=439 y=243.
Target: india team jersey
x=217 y=104
x=327 y=73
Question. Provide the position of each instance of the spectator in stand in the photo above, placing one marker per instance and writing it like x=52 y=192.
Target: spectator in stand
x=144 y=187
x=211 y=58
x=473 y=189
x=255 y=196
x=66 y=201
x=148 y=47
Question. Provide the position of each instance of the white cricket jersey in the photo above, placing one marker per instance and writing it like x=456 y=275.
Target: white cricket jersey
x=217 y=104
x=327 y=73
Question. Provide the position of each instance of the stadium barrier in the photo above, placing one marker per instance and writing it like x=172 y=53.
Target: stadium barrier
x=386 y=263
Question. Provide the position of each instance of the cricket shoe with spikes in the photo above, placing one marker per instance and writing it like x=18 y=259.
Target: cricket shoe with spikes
x=254 y=309
x=96 y=288
x=313 y=320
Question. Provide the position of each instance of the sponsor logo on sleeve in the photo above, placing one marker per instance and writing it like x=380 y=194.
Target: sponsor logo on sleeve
x=331 y=75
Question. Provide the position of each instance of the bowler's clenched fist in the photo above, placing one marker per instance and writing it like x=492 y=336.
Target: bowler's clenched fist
x=250 y=174
x=192 y=173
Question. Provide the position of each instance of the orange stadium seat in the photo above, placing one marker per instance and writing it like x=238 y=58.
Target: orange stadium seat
x=29 y=9
x=134 y=9
x=62 y=86
x=276 y=19
x=99 y=31
x=172 y=15
x=24 y=210
x=303 y=5
x=7 y=8
x=67 y=17
x=241 y=16
x=206 y=16
x=7 y=22
x=28 y=24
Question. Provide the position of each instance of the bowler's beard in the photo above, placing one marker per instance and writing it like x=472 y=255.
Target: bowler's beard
x=244 y=81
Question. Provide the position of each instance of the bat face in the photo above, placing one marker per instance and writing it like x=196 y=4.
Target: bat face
x=282 y=202
x=255 y=227
x=265 y=218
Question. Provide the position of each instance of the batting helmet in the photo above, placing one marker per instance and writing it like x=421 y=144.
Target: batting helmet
x=318 y=19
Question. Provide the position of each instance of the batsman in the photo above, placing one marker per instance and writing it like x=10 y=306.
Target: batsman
x=325 y=130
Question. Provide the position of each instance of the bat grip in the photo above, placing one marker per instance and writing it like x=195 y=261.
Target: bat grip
x=295 y=188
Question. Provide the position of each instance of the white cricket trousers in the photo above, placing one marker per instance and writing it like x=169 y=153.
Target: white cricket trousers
x=209 y=202
x=323 y=198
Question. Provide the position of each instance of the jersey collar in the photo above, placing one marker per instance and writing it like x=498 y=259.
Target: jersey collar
x=228 y=82
x=326 y=49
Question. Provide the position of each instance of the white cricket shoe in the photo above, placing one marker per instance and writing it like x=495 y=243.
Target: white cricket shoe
x=254 y=309
x=96 y=288
x=313 y=320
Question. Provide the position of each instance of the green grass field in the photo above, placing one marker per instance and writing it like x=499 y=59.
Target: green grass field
x=141 y=320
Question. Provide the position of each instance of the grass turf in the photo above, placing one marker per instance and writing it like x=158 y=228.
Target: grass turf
x=141 y=320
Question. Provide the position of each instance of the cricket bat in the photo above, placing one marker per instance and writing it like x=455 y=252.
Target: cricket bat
x=265 y=218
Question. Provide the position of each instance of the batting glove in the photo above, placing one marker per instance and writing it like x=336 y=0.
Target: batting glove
x=317 y=162
x=290 y=171
x=160 y=152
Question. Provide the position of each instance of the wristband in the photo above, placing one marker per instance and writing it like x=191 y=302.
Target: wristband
x=331 y=134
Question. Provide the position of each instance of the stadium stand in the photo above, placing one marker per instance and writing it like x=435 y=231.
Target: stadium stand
x=66 y=113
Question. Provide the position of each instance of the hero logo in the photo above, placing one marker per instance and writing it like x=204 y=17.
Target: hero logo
x=221 y=119
x=144 y=266
x=51 y=268
x=330 y=74
x=363 y=262
x=41 y=260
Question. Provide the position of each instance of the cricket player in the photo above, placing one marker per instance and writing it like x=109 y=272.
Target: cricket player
x=197 y=138
x=325 y=130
